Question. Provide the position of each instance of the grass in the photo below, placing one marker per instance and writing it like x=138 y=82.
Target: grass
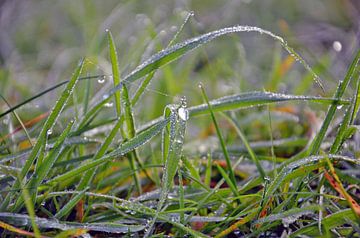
x=106 y=170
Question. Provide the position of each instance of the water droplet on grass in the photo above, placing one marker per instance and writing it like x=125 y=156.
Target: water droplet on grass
x=337 y=46
x=102 y=79
x=339 y=106
x=109 y=104
x=183 y=114
x=49 y=132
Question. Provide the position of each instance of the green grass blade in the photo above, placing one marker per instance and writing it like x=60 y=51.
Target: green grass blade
x=228 y=180
x=253 y=156
x=115 y=70
x=124 y=148
x=49 y=123
x=257 y=98
x=172 y=53
x=315 y=144
x=44 y=167
x=89 y=175
x=329 y=222
x=177 y=133
x=222 y=142
x=65 y=210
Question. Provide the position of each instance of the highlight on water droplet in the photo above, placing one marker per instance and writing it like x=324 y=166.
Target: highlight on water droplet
x=337 y=46
x=109 y=104
x=102 y=79
x=49 y=132
x=339 y=106
x=183 y=114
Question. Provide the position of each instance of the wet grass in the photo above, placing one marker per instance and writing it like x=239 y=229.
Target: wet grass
x=96 y=166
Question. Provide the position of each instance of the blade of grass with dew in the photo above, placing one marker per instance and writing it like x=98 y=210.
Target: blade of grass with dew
x=315 y=144
x=115 y=70
x=172 y=53
x=140 y=139
x=257 y=98
x=249 y=99
x=13 y=229
x=43 y=168
x=342 y=133
x=88 y=176
x=222 y=142
x=178 y=117
x=49 y=123
x=122 y=97
x=233 y=121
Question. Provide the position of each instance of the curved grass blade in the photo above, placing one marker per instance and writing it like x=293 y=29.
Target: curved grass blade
x=172 y=53
x=124 y=148
x=250 y=99
x=256 y=98
x=48 y=125
x=43 y=93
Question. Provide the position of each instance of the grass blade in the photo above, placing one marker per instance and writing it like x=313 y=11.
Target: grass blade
x=49 y=123
x=222 y=142
x=115 y=70
x=253 y=156
x=177 y=133
x=124 y=148
x=315 y=144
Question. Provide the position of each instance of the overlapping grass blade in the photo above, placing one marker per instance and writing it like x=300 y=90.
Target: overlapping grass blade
x=43 y=167
x=173 y=155
x=253 y=156
x=222 y=142
x=48 y=125
x=315 y=144
x=124 y=148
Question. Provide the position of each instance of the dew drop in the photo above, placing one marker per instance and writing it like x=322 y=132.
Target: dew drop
x=102 y=79
x=109 y=104
x=339 y=106
x=337 y=46
x=49 y=132
x=183 y=114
